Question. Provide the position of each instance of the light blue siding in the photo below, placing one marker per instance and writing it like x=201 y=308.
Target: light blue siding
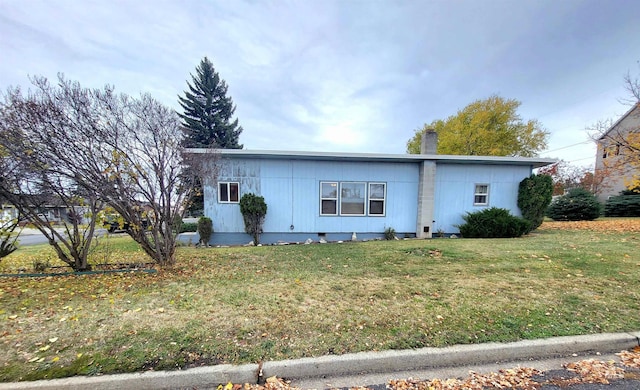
x=291 y=189
x=455 y=186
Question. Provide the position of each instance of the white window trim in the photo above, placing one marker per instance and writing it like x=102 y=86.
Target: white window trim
x=384 y=199
x=476 y=193
x=364 y=199
x=367 y=198
x=336 y=199
x=228 y=183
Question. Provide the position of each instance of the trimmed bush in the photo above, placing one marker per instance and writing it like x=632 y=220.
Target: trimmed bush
x=534 y=196
x=188 y=227
x=205 y=230
x=623 y=206
x=493 y=223
x=577 y=205
x=253 y=209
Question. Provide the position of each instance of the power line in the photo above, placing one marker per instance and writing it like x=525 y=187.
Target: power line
x=568 y=146
x=581 y=159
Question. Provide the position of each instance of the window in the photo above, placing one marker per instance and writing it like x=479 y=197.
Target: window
x=352 y=198
x=328 y=198
x=481 y=195
x=377 y=195
x=228 y=192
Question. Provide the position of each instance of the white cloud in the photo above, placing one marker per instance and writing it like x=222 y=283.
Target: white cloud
x=335 y=75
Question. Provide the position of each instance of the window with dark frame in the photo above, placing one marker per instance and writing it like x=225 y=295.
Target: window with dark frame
x=228 y=192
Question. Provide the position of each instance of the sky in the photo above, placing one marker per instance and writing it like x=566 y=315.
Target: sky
x=348 y=75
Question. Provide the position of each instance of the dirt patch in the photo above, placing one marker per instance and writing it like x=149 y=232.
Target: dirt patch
x=623 y=225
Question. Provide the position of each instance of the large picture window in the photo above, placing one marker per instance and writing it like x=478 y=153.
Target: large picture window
x=352 y=198
x=328 y=198
x=481 y=195
x=228 y=192
x=377 y=195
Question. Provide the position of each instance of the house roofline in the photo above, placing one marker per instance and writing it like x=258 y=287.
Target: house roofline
x=616 y=123
x=535 y=162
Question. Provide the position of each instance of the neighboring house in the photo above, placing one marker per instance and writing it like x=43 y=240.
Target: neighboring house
x=8 y=213
x=48 y=209
x=613 y=170
x=333 y=195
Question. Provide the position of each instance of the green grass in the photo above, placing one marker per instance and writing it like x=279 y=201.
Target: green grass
x=239 y=305
x=118 y=248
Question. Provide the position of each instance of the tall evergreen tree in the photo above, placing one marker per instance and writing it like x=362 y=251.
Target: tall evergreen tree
x=207 y=119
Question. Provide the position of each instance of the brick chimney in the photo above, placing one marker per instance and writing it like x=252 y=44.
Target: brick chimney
x=429 y=142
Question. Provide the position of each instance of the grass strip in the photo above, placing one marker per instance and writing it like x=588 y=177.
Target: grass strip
x=239 y=305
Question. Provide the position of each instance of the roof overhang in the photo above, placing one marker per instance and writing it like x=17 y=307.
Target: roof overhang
x=535 y=162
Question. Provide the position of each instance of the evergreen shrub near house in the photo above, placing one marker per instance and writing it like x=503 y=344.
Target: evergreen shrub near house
x=177 y=223
x=389 y=233
x=627 y=204
x=254 y=210
x=188 y=227
x=576 y=205
x=534 y=197
x=493 y=223
x=205 y=230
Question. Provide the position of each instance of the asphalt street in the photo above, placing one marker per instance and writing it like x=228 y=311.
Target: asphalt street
x=30 y=236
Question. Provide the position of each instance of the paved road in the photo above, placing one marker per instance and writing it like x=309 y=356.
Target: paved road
x=30 y=236
x=552 y=368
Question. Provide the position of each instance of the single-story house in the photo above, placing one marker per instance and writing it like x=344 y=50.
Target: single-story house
x=330 y=196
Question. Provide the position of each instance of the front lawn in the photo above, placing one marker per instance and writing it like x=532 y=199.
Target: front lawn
x=239 y=305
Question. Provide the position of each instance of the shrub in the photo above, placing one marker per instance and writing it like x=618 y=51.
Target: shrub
x=493 y=223
x=390 y=233
x=205 y=230
x=41 y=266
x=188 y=227
x=534 y=196
x=7 y=237
x=177 y=223
x=577 y=205
x=623 y=205
x=253 y=209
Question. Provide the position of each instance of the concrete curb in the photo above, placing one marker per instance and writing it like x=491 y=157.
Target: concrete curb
x=349 y=364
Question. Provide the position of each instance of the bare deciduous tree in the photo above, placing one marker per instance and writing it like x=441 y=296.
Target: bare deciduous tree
x=632 y=85
x=34 y=179
x=123 y=150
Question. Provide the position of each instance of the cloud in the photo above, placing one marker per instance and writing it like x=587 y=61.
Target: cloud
x=336 y=75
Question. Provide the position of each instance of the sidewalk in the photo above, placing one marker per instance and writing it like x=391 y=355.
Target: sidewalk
x=366 y=367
